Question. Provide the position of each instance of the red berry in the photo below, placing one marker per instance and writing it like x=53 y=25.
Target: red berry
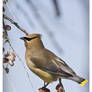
x=5 y=60
x=7 y=27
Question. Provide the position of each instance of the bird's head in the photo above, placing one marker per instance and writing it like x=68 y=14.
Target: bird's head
x=32 y=40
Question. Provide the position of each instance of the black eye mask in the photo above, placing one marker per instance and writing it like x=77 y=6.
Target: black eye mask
x=29 y=39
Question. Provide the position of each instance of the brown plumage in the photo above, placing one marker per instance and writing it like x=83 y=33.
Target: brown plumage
x=46 y=64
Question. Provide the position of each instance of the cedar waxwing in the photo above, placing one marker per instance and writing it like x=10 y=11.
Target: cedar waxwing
x=46 y=64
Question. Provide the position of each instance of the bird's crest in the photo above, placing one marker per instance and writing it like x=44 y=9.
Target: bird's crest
x=33 y=36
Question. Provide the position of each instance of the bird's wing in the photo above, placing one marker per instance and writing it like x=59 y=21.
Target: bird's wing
x=49 y=62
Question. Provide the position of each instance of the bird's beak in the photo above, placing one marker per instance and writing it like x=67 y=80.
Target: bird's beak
x=22 y=38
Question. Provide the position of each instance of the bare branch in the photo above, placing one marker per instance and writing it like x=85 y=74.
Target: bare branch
x=16 y=24
x=55 y=2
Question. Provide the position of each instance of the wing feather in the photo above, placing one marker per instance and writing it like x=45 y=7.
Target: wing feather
x=49 y=62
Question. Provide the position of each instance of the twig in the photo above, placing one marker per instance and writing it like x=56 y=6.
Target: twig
x=16 y=24
x=20 y=28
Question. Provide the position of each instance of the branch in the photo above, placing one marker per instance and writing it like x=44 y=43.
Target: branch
x=16 y=24
x=55 y=3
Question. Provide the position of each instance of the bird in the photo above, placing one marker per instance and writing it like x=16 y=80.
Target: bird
x=45 y=64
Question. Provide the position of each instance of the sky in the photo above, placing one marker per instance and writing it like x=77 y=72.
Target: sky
x=67 y=36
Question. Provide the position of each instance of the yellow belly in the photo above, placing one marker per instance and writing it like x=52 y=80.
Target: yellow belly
x=47 y=77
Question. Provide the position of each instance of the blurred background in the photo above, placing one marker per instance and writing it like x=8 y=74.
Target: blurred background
x=64 y=26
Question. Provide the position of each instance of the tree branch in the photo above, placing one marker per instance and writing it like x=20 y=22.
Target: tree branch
x=16 y=24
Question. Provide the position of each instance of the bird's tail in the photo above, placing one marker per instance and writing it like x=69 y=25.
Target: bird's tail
x=79 y=80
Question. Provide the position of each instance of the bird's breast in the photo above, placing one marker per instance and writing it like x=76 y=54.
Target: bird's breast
x=47 y=77
x=29 y=63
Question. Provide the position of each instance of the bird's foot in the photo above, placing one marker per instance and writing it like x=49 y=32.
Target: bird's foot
x=43 y=89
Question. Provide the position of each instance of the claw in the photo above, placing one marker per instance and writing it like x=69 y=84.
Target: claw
x=44 y=89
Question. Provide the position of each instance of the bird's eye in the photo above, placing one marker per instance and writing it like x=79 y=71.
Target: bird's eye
x=28 y=39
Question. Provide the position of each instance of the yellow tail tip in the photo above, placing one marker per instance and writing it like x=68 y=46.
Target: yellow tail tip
x=84 y=82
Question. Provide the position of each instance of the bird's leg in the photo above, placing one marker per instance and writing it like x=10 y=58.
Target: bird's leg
x=60 y=87
x=44 y=88
x=45 y=85
x=60 y=83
